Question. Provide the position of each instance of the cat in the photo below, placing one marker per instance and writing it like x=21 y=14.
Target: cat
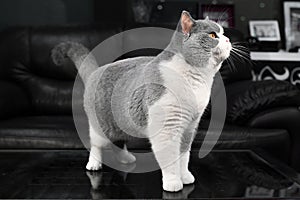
x=164 y=96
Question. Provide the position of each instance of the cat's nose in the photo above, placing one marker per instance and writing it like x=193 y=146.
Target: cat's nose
x=227 y=40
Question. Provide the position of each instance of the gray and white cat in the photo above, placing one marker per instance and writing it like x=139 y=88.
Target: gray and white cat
x=165 y=96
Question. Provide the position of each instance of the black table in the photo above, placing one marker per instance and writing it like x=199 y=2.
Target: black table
x=222 y=174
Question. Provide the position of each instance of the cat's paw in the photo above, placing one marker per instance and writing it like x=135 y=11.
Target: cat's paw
x=187 y=178
x=125 y=157
x=94 y=165
x=173 y=185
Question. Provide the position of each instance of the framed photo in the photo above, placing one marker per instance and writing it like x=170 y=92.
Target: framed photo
x=223 y=14
x=265 y=30
x=292 y=24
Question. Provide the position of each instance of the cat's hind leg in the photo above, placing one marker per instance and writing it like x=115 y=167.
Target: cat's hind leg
x=123 y=155
x=98 y=142
x=187 y=140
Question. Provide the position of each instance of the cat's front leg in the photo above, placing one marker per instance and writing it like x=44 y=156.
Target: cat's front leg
x=165 y=138
x=167 y=153
x=167 y=123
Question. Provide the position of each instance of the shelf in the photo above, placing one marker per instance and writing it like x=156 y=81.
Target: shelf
x=275 y=56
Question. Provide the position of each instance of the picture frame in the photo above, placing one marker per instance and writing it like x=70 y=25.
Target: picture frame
x=292 y=24
x=265 y=30
x=223 y=14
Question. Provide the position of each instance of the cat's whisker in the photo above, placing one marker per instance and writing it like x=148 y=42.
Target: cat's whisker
x=237 y=57
x=234 y=65
x=240 y=46
x=224 y=21
x=240 y=56
x=230 y=61
x=238 y=43
x=231 y=64
x=221 y=16
x=243 y=49
x=241 y=52
x=244 y=52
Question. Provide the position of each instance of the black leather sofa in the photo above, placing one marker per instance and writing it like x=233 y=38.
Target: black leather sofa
x=36 y=97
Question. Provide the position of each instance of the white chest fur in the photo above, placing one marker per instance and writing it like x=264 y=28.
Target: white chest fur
x=190 y=86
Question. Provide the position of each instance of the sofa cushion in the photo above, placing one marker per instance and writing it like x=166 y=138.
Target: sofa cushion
x=39 y=132
x=26 y=59
x=52 y=132
x=13 y=101
x=287 y=118
x=14 y=46
x=47 y=96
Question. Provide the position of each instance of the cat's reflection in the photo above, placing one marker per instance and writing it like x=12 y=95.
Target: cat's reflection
x=183 y=194
x=107 y=185
x=114 y=185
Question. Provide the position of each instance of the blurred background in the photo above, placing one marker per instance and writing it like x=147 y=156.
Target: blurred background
x=61 y=12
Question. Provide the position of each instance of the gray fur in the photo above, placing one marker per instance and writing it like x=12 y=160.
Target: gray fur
x=196 y=46
x=132 y=72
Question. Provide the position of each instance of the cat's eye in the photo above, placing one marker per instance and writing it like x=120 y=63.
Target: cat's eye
x=213 y=35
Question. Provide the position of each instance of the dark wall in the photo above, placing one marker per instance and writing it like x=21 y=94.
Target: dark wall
x=59 y=12
x=246 y=10
x=45 y=12
x=112 y=11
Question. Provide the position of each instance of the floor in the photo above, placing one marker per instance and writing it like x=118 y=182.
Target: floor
x=61 y=175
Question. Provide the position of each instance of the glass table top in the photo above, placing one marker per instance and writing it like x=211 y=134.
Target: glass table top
x=238 y=174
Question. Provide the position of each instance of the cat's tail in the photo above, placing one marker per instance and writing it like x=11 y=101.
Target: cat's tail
x=85 y=62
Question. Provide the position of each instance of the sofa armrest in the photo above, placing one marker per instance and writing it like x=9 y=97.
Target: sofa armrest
x=248 y=98
x=13 y=101
x=286 y=118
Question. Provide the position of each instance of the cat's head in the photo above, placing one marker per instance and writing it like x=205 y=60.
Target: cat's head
x=203 y=40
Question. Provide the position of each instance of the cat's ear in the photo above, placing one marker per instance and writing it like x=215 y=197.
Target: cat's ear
x=206 y=18
x=186 y=22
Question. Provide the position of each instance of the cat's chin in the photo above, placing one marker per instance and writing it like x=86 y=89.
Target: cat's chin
x=219 y=56
x=223 y=57
x=217 y=62
x=221 y=53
